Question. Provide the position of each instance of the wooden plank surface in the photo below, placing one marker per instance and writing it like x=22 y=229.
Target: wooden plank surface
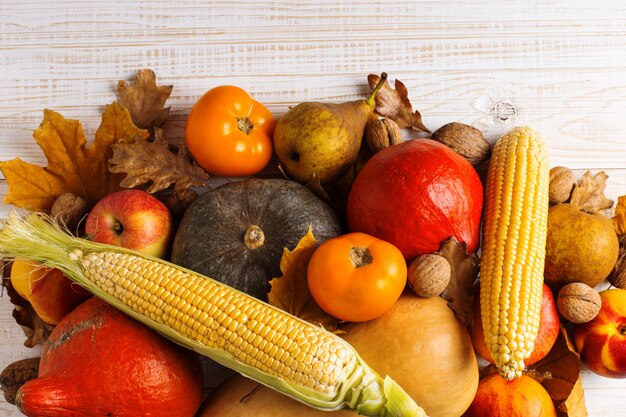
x=558 y=66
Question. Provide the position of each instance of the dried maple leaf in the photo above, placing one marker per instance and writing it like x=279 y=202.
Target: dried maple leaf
x=73 y=166
x=464 y=271
x=619 y=218
x=154 y=162
x=35 y=329
x=291 y=291
x=563 y=365
x=395 y=104
x=589 y=193
x=145 y=99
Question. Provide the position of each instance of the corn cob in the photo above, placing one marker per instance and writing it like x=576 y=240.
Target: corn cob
x=513 y=251
x=262 y=342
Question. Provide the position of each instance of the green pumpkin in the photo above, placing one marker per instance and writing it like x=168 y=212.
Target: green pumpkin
x=236 y=233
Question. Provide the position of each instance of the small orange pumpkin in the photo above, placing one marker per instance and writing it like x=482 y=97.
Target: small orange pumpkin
x=520 y=397
x=356 y=277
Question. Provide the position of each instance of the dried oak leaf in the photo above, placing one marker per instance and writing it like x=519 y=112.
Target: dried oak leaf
x=154 y=162
x=395 y=104
x=73 y=167
x=145 y=99
x=619 y=218
x=562 y=364
x=589 y=193
x=464 y=271
x=291 y=292
x=35 y=329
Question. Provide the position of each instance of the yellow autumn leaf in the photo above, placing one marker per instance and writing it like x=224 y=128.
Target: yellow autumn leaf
x=291 y=291
x=619 y=218
x=73 y=166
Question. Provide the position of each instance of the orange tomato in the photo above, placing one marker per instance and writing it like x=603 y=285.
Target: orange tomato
x=356 y=277
x=228 y=133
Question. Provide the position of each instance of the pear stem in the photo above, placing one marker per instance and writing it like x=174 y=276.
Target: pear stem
x=370 y=100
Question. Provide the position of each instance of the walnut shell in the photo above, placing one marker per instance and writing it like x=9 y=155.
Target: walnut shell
x=465 y=140
x=578 y=302
x=68 y=210
x=382 y=133
x=562 y=182
x=17 y=374
x=429 y=275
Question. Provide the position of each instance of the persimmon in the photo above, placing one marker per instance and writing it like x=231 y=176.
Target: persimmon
x=228 y=133
x=356 y=277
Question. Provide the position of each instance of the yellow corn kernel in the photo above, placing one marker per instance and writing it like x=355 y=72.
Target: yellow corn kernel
x=513 y=250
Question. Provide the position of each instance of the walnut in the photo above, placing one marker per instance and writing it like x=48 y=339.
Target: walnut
x=429 y=275
x=578 y=302
x=68 y=210
x=17 y=374
x=562 y=182
x=465 y=140
x=382 y=133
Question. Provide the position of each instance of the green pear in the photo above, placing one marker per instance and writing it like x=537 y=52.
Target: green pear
x=322 y=138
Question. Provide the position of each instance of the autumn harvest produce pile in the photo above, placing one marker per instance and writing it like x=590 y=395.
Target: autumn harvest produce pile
x=337 y=269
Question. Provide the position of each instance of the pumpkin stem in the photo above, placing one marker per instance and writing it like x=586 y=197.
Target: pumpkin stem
x=360 y=256
x=254 y=237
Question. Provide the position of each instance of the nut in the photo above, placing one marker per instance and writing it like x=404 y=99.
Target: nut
x=429 y=275
x=17 y=374
x=578 y=302
x=562 y=182
x=382 y=133
x=68 y=210
x=465 y=140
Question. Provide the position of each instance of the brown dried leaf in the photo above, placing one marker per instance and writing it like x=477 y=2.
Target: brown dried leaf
x=563 y=365
x=315 y=186
x=291 y=291
x=574 y=406
x=465 y=270
x=145 y=99
x=73 y=166
x=153 y=162
x=619 y=218
x=589 y=193
x=35 y=329
x=395 y=104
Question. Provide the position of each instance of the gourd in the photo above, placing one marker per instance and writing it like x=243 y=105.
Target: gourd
x=419 y=342
x=100 y=362
x=237 y=232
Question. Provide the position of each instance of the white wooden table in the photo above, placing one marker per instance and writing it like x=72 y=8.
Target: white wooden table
x=558 y=66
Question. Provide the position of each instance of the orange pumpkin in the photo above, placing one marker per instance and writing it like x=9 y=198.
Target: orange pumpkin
x=356 y=277
x=520 y=397
x=99 y=362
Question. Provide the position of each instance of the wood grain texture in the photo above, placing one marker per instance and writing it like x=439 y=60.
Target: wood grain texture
x=558 y=66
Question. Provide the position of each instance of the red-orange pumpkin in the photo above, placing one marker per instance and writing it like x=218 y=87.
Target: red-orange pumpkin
x=100 y=362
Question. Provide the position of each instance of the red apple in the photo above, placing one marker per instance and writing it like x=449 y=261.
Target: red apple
x=131 y=219
x=415 y=195
x=602 y=341
x=548 y=329
x=52 y=294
